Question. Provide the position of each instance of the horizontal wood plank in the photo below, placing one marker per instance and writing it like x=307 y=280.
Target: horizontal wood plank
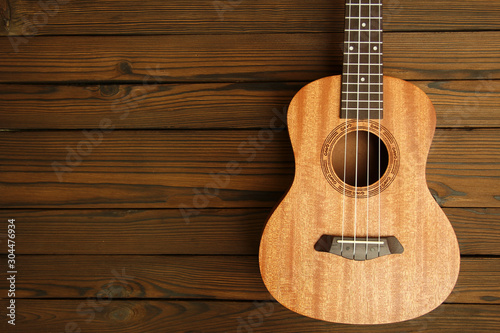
x=191 y=277
x=464 y=103
x=218 y=316
x=200 y=169
x=207 y=231
x=263 y=57
x=208 y=17
x=472 y=103
x=156 y=231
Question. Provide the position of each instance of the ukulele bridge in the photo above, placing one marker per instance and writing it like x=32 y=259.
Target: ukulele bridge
x=360 y=248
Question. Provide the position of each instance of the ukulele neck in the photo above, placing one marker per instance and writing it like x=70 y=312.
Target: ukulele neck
x=362 y=77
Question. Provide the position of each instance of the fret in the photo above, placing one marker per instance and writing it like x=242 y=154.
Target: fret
x=356 y=64
x=364 y=109
x=356 y=59
x=364 y=30
x=363 y=4
x=366 y=83
x=364 y=53
x=375 y=103
x=355 y=35
x=354 y=91
x=362 y=80
x=362 y=18
x=366 y=42
x=368 y=48
x=378 y=74
x=372 y=105
x=370 y=93
x=351 y=75
x=364 y=11
x=361 y=114
x=354 y=96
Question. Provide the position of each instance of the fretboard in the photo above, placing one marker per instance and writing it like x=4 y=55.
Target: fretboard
x=362 y=80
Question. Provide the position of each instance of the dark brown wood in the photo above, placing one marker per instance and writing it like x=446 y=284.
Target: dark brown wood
x=464 y=103
x=263 y=57
x=222 y=277
x=145 y=106
x=125 y=276
x=469 y=289
x=469 y=164
x=477 y=229
x=207 y=231
x=85 y=17
x=218 y=316
x=471 y=103
x=157 y=231
x=153 y=169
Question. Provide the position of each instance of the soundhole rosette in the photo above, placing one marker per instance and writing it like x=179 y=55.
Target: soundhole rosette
x=372 y=156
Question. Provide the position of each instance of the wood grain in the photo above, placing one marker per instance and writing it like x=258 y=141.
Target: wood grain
x=276 y=16
x=132 y=232
x=207 y=231
x=251 y=168
x=219 y=105
x=126 y=276
x=192 y=277
x=204 y=316
x=471 y=103
x=477 y=228
x=464 y=103
x=263 y=57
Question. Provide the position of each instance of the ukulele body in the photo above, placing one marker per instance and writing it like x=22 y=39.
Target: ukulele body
x=385 y=289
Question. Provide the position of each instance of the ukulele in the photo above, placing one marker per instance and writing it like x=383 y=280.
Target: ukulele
x=358 y=238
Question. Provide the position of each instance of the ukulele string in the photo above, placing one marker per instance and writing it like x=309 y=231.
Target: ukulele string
x=346 y=78
x=358 y=85
x=380 y=106
x=368 y=133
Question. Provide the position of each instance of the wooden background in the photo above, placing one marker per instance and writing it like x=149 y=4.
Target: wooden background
x=145 y=107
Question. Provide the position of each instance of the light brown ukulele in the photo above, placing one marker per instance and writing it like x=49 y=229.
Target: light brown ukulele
x=359 y=238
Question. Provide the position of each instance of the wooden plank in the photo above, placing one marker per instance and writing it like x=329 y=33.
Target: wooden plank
x=156 y=231
x=406 y=58
x=477 y=282
x=222 y=277
x=218 y=316
x=200 y=169
x=207 y=231
x=271 y=16
x=471 y=103
x=477 y=229
x=263 y=57
x=177 y=277
x=447 y=173
x=464 y=103
x=218 y=105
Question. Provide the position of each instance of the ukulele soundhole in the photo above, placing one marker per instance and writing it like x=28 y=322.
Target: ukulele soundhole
x=360 y=159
